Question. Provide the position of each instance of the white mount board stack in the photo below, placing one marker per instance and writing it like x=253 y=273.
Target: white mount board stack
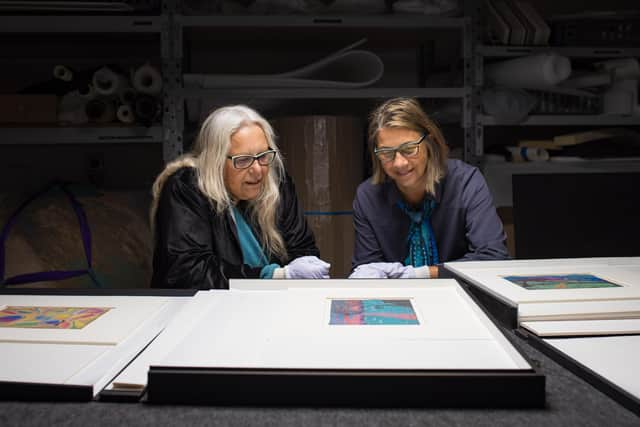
x=68 y=347
x=588 y=322
x=558 y=290
x=374 y=342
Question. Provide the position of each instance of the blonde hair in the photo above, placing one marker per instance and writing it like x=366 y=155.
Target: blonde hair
x=407 y=113
x=208 y=157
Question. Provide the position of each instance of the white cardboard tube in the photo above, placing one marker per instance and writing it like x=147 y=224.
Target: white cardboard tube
x=147 y=79
x=534 y=71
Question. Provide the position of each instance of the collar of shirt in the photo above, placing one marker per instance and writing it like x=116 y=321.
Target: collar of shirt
x=394 y=195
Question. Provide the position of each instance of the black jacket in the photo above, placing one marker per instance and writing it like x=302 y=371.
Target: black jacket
x=197 y=248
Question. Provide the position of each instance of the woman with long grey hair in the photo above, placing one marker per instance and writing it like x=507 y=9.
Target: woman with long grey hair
x=227 y=209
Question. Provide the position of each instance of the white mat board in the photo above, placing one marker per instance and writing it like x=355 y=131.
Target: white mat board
x=289 y=329
x=187 y=315
x=45 y=363
x=110 y=328
x=560 y=328
x=84 y=364
x=489 y=275
x=615 y=358
x=579 y=310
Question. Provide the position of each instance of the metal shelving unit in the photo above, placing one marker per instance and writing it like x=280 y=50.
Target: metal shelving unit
x=81 y=135
x=81 y=24
x=385 y=22
x=566 y=120
x=484 y=51
x=572 y=52
x=324 y=93
x=351 y=24
x=170 y=26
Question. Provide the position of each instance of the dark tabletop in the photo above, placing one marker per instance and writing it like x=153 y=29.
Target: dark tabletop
x=570 y=402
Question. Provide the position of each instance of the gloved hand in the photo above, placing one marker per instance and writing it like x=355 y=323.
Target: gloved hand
x=307 y=267
x=389 y=270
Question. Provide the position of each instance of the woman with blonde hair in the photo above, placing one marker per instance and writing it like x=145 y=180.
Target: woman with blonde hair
x=420 y=208
x=227 y=209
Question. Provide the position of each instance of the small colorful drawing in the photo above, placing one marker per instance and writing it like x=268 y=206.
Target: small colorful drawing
x=561 y=281
x=50 y=317
x=372 y=312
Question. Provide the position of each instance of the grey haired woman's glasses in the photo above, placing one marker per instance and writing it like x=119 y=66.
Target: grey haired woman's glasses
x=408 y=149
x=244 y=161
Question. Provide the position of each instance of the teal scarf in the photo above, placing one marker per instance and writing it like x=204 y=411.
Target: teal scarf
x=421 y=241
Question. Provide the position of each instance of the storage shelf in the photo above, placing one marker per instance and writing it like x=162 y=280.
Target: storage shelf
x=574 y=52
x=316 y=93
x=565 y=120
x=81 y=24
x=80 y=135
x=389 y=21
x=499 y=174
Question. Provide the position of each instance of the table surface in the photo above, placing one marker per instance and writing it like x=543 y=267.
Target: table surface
x=570 y=402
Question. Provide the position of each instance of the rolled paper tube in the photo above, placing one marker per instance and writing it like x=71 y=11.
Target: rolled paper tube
x=125 y=114
x=621 y=68
x=528 y=154
x=87 y=91
x=100 y=110
x=621 y=98
x=534 y=71
x=128 y=96
x=71 y=108
x=63 y=73
x=343 y=69
x=146 y=109
x=147 y=79
x=107 y=82
x=594 y=79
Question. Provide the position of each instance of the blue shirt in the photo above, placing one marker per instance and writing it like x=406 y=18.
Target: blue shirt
x=465 y=222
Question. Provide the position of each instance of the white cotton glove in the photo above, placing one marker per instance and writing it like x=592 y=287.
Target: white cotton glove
x=307 y=267
x=389 y=270
x=368 y=271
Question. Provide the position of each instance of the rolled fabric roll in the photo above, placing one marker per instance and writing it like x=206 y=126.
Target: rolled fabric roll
x=87 y=91
x=63 y=73
x=528 y=154
x=621 y=98
x=507 y=105
x=532 y=72
x=100 y=110
x=621 y=68
x=125 y=114
x=72 y=108
x=128 y=96
x=107 y=82
x=146 y=109
x=147 y=79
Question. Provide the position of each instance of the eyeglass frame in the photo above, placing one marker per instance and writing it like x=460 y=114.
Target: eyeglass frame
x=396 y=149
x=254 y=158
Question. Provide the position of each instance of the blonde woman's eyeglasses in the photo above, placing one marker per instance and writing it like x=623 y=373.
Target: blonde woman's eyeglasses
x=408 y=150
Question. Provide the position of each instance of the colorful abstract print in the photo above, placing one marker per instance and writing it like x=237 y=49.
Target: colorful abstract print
x=49 y=317
x=372 y=312
x=560 y=281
